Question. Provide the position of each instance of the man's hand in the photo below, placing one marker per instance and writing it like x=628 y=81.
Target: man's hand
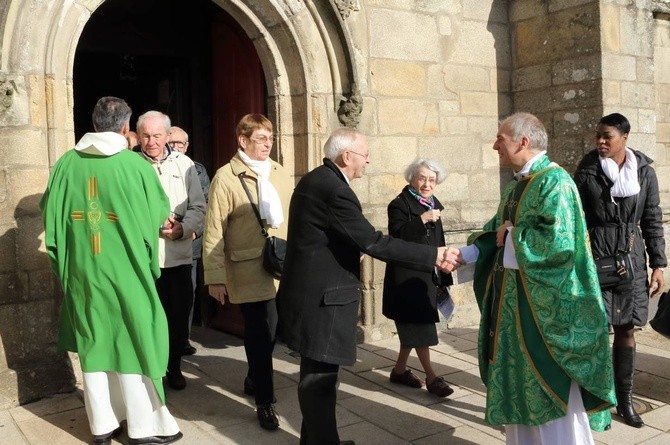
x=448 y=259
x=172 y=228
x=657 y=283
x=501 y=232
x=218 y=292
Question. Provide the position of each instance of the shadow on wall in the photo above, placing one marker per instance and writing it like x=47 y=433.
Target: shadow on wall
x=30 y=366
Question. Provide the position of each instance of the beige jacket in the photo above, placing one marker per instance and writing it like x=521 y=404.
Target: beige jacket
x=233 y=243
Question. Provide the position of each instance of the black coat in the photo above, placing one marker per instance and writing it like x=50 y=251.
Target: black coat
x=409 y=295
x=320 y=292
x=602 y=214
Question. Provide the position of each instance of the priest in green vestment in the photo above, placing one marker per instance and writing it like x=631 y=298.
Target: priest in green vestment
x=102 y=211
x=543 y=338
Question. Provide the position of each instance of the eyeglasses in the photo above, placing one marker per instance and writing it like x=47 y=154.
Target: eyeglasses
x=366 y=156
x=263 y=139
x=425 y=179
x=179 y=144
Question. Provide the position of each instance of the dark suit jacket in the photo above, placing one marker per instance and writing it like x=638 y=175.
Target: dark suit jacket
x=319 y=293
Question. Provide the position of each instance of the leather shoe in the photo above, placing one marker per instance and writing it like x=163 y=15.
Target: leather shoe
x=155 y=440
x=176 y=380
x=267 y=417
x=347 y=442
x=106 y=439
x=250 y=390
x=189 y=350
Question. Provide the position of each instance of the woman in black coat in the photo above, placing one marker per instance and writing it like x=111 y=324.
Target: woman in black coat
x=409 y=295
x=619 y=193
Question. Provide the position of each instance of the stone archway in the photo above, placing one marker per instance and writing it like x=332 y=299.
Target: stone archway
x=311 y=73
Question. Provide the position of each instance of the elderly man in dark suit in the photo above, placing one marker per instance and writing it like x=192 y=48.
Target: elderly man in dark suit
x=320 y=287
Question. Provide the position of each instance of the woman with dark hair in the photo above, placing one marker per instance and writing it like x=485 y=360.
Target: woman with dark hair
x=619 y=192
x=410 y=296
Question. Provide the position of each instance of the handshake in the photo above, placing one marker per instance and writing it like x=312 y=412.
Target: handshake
x=448 y=259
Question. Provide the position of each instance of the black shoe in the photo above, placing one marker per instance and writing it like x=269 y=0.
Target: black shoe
x=347 y=442
x=189 y=350
x=106 y=439
x=176 y=380
x=155 y=440
x=267 y=417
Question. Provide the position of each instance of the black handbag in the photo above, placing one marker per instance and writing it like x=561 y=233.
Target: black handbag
x=617 y=269
x=274 y=250
x=661 y=321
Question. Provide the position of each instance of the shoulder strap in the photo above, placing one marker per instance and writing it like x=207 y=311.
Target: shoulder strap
x=241 y=176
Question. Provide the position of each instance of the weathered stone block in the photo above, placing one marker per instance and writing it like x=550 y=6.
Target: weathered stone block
x=662 y=65
x=11 y=288
x=532 y=77
x=383 y=188
x=454 y=125
x=525 y=9
x=446 y=149
x=618 y=67
x=663 y=132
x=405 y=116
x=647 y=122
x=638 y=94
x=436 y=85
x=458 y=78
x=637 y=26
x=480 y=104
x=397 y=78
x=391 y=154
x=491 y=10
x=610 y=34
x=470 y=46
x=389 y=30
x=576 y=70
x=611 y=92
x=557 y=36
x=645 y=69
x=485 y=127
x=26 y=198
x=33 y=147
x=455 y=188
x=449 y=107
x=7 y=248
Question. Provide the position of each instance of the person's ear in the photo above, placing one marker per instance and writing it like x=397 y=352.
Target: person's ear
x=242 y=141
x=126 y=129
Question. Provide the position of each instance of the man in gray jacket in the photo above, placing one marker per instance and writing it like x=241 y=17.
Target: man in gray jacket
x=179 y=179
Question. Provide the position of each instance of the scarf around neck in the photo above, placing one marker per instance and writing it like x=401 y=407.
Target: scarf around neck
x=269 y=204
x=428 y=203
x=625 y=180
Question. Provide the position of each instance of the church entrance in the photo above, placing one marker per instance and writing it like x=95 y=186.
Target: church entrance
x=190 y=60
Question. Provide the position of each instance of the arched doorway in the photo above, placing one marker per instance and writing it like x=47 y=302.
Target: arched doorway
x=190 y=60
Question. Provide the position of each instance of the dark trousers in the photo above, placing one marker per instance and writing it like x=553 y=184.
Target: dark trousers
x=176 y=293
x=317 y=394
x=260 y=328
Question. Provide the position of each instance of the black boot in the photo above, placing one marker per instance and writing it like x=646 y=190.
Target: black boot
x=624 y=368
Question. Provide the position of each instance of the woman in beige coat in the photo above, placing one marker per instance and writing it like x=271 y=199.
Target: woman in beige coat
x=233 y=247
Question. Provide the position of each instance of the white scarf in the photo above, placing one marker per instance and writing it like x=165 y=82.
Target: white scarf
x=269 y=203
x=625 y=180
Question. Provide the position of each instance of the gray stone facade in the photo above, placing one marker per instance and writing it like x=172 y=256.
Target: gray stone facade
x=422 y=78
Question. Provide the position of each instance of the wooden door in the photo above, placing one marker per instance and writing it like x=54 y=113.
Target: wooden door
x=238 y=89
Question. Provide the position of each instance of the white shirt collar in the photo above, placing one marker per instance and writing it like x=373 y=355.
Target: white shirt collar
x=106 y=143
x=527 y=166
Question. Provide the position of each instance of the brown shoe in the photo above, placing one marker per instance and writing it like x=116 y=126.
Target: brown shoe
x=406 y=378
x=439 y=387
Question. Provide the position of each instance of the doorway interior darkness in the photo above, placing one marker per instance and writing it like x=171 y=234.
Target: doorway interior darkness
x=188 y=59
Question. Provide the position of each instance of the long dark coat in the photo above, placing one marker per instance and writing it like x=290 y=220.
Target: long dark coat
x=409 y=295
x=625 y=304
x=320 y=291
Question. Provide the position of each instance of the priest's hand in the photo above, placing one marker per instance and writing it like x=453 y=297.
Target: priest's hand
x=218 y=292
x=501 y=233
x=448 y=259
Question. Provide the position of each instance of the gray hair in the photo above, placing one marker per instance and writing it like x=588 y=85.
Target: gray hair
x=110 y=114
x=341 y=140
x=525 y=124
x=152 y=113
x=413 y=169
x=175 y=128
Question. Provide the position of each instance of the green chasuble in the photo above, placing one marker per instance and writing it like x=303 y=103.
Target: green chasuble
x=542 y=325
x=102 y=212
